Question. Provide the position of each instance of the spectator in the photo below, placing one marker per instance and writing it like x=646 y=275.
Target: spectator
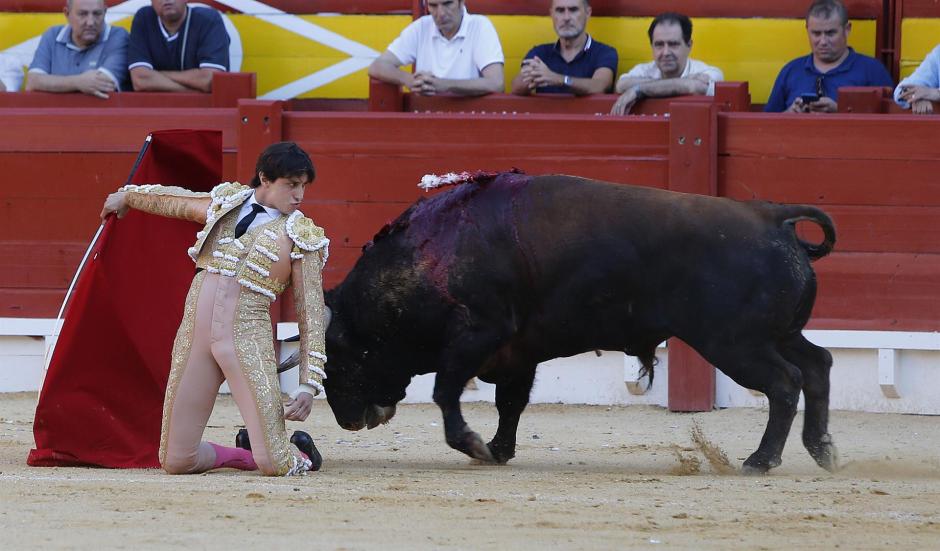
x=672 y=72
x=176 y=48
x=918 y=91
x=574 y=64
x=11 y=73
x=811 y=83
x=87 y=55
x=453 y=52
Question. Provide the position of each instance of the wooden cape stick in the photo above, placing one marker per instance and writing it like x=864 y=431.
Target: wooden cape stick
x=56 y=327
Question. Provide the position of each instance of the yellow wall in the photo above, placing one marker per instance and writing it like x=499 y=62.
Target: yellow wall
x=918 y=38
x=745 y=49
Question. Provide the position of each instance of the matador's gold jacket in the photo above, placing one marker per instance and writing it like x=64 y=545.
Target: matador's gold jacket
x=266 y=259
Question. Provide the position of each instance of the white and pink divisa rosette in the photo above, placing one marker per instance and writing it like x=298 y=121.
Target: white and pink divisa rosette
x=431 y=181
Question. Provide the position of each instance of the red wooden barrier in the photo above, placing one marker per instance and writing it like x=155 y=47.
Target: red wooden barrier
x=369 y=164
x=227 y=89
x=59 y=164
x=384 y=97
x=880 y=186
x=872 y=99
x=860 y=9
x=290 y=6
x=693 y=168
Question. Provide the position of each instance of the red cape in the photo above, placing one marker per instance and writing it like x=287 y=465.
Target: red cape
x=102 y=398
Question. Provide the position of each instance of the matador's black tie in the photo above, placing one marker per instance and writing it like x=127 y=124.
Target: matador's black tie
x=243 y=224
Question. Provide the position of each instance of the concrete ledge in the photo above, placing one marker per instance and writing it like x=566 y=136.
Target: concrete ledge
x=877 y=371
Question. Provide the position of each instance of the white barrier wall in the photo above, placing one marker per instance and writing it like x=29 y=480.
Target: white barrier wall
x=876 y=371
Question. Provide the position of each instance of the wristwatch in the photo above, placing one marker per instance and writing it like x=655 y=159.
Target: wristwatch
x=567 y=80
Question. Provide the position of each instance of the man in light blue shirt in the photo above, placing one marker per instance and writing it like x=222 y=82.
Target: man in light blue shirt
x=87 y=55
x=918 y=91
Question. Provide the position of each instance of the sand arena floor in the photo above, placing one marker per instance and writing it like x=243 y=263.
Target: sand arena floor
x=585 y=477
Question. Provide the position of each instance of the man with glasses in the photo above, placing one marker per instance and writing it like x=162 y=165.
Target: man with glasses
x=87 y=55
x=811 y=84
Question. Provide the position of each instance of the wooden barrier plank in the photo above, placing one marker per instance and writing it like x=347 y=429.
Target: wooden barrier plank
x=693 y=161
x=886 y=229
x=890 y=291
x=870 y=9
x=895 y=182
x=365 y=178
x=415 y=134
x=227 y=89
x=103 y=130
x=919 y=8
x=694 y=8
x=67 y=188
x=807 y=136
x=30 y=303
x=38 y=264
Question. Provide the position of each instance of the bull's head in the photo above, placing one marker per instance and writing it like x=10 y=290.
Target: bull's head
x=357 y=392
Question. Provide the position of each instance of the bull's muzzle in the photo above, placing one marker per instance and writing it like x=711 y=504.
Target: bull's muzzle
x=377 y=415
x=372 y=417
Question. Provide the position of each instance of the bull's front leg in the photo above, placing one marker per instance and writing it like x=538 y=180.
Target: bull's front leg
x=512 y=396
x=447 y=391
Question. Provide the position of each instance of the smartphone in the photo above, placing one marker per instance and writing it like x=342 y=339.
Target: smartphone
x=809 y=98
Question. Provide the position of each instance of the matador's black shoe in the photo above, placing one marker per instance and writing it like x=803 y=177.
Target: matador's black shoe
x=301 y=439
x=241 y=440
x=304 y=443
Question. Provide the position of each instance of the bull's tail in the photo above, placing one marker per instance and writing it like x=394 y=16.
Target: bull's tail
x=648 y=360
x=791 y=214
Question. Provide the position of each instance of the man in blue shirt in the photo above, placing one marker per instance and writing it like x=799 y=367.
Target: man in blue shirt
x=87 y=55
x=811 y=83
x=575 y=64
x=176 y=48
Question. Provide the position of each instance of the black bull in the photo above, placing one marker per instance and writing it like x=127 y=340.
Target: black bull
x=496 y=275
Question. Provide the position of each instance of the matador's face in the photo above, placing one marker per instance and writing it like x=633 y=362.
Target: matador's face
x=285 y=193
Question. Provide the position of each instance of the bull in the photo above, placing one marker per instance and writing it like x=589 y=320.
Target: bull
x=502 y=272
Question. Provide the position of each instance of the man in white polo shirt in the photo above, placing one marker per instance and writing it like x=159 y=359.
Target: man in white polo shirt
x=672 y=72
x=453 y=52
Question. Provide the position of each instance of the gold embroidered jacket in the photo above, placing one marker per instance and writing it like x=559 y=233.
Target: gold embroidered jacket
x=266 y=259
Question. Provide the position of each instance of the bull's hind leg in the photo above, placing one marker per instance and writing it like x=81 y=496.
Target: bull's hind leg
x=764 y=369
x=512 y=396
x=814 y=362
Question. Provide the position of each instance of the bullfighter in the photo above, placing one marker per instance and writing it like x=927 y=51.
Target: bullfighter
x=253 y=245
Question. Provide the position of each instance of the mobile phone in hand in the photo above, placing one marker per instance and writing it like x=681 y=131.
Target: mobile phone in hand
x=809 y=98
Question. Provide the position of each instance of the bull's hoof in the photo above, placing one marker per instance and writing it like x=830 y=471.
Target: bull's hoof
x=471 y=444
x=751 y=470
x=501 y=453
x=757 y=465
x=825 y=454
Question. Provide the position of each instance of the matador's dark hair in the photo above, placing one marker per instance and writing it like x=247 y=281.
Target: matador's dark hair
x=283 y=160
